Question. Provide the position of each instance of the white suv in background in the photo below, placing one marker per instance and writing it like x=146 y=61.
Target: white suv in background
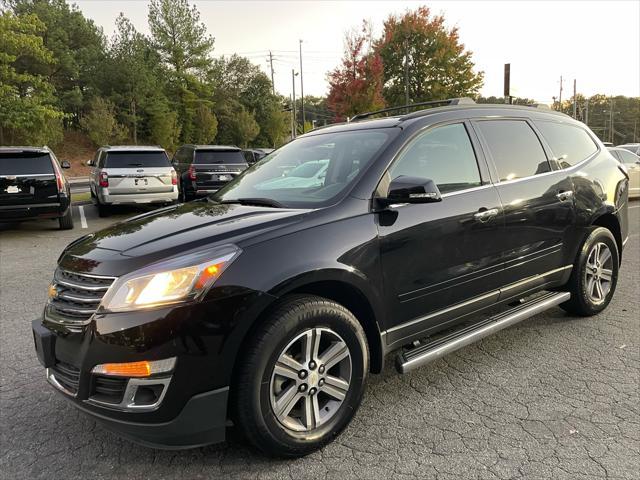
x=122 y=175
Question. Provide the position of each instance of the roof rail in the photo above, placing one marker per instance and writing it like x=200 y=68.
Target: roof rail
x=543 y=106
x=449 y=101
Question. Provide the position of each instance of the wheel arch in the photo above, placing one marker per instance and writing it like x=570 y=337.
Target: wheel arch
x=611 y=223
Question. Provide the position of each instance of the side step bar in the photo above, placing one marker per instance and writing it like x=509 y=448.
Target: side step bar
x=411 y=359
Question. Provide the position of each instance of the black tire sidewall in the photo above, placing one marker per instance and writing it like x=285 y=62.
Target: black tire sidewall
x=580 y=288
x=279 y=439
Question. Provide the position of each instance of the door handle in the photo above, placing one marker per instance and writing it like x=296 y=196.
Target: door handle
x=485 y=215
x=565 y=195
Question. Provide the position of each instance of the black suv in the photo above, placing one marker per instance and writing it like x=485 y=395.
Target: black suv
x=32 y=186
x=204 y=169
x=270 y=302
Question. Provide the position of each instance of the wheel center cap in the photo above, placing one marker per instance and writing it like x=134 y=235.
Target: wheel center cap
x=313 y=379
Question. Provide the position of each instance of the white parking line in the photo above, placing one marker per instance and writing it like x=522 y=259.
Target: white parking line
x=83 y=219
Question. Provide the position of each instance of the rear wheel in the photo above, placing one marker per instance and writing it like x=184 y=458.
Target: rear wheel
x=103 y=210
x=595 y=274
x=302 y=378
x=66 y=221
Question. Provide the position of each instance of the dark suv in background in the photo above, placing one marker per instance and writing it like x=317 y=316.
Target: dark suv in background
x=204 y=169
x=269 y=303
x=32 y=186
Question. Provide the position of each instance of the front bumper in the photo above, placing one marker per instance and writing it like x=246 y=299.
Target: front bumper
x=204 y=337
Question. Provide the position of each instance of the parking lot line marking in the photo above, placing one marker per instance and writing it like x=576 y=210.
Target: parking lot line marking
x=83 y=220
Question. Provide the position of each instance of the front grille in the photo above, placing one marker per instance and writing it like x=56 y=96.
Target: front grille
x=77 y=297
x=108 y=389
x=67 y=375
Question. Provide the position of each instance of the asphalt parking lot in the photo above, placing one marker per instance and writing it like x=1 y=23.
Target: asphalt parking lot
x=553 y=397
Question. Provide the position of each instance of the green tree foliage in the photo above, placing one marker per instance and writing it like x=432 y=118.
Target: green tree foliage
x=101 y=124
x=236 y=125
x=356 y=85
x=439 y=66
x=78 y=47
x=163 y=125
x=275 y=126
x=205 y=125
x=28 y=113
x=501 y=100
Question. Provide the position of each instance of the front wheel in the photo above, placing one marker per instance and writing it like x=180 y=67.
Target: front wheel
x=302 y=378
x=595 y=274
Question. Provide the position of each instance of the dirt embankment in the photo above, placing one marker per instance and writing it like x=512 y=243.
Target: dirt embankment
x=77 y=149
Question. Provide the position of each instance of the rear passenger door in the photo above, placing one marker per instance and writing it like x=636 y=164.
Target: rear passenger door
x=440 y=260
x=538 y=204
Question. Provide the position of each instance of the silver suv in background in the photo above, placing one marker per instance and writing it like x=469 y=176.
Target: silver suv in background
x=126 y=175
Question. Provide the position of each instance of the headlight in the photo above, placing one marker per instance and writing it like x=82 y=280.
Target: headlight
x=162 y=285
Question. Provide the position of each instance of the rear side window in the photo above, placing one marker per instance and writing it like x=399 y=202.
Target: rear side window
x=25 y=164
x=136 y=159
x=444 y=155
x=515 y=148
x=627 y=157
x=219 y=156
x=569 y=144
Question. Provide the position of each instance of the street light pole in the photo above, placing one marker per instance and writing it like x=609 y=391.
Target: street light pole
x=301 y=88
x=293 y=105
x=273 y=85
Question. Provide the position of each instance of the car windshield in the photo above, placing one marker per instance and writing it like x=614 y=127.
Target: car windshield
x=309 y=172
x=25 y=164
x=136 y=159
x=219 y=156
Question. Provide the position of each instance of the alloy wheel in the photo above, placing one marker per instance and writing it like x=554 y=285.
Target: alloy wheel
x=310 y=379
x=599 y=272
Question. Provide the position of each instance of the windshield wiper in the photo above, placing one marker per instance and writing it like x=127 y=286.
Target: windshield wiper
x=259 y=202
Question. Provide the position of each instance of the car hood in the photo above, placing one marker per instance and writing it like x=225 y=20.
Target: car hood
x=144 y=239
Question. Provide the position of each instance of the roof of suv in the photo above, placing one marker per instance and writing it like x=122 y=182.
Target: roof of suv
x=133 y=148
x=215 y=147
x=25 y=149
x=395 y=120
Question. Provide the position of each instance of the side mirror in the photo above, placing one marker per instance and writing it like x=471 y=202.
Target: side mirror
x=91 y=163
x=405 y=189
x=65 y=164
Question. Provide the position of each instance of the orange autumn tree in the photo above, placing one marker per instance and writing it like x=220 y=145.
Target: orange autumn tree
x=439 y=67
x=356 y=85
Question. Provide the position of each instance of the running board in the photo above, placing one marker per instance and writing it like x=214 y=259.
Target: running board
x=418 y=356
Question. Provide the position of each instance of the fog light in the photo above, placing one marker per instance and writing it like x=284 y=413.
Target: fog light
x=136 y=369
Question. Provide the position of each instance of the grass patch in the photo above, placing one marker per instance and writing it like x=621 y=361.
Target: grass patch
x=80 y=197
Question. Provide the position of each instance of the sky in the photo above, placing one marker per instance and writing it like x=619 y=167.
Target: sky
x=597 y=43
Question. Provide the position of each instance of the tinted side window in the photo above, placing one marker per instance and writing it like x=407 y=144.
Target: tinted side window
x=627 y=157
x=570 y=144
x=515 y=148
x=445 y=155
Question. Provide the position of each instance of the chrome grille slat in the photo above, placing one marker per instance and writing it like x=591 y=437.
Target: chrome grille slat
x=77 y=297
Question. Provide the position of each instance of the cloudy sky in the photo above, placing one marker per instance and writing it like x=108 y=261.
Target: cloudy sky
x=597 y=43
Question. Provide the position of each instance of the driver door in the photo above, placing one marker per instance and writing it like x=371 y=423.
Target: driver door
x=440 y=260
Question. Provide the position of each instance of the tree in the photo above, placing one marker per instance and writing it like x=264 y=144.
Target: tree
x=356 y=85
x=101 y=124
x=163 y=126
x=28 y=113
x=206 y=125
x=179 y=36
x=78 y=49
x=439 y=67
x=275 y=126
x=236 y=125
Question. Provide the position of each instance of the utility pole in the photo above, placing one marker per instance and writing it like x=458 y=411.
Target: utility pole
x=560 y=97
x=293 y=105
x=611 y=122
x=586 y=111
x=575 y=100
x=273 y=85
x=406 y=71
x=301 y=88
x=507 y=83
x=291 y=119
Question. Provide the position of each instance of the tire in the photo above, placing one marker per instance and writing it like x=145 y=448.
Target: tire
x=258 y=389
x=184 y=197
x=592 y=286
x=66 y=221
x=103 y=210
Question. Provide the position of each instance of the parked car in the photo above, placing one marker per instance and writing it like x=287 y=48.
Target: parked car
x=131 y=175
x=309 y=174
x=32 y=186
x=270 y=308
x=254 y=155
x=204 y=169
x=632 y=147
x=632 y=163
